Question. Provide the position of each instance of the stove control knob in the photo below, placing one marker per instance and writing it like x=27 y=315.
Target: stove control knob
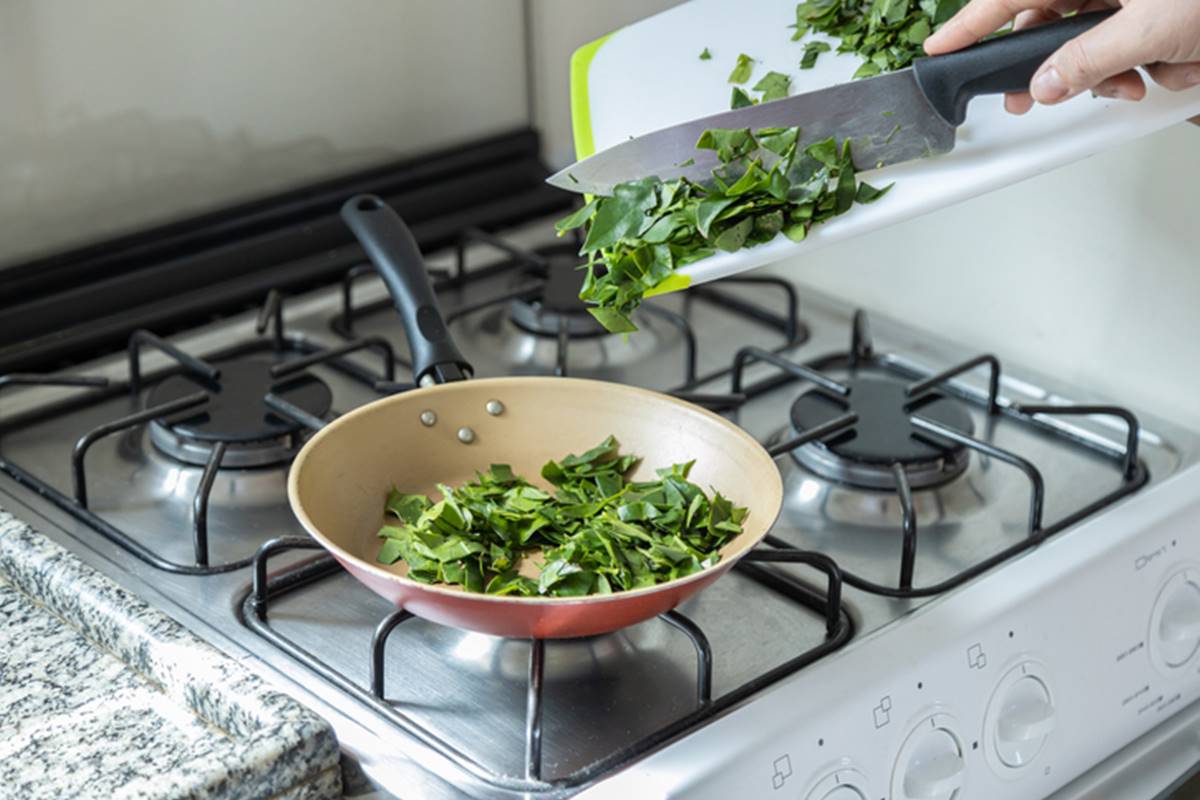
x=931 y=764
x=1019 y=717
x=1175 y=621
x=845 y=783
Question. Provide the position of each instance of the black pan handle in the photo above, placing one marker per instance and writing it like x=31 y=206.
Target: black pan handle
x=1004 y=64
x=392 y=249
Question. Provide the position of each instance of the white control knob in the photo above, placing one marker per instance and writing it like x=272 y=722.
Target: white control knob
x=1019 y=718
x=844 y=783
x=843 y=793
x=931 y=764
x=1175 y=622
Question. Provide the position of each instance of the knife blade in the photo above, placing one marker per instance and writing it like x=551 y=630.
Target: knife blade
x=904 y=115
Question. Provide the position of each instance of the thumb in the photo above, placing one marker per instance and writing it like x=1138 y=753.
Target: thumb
x=1112 y=47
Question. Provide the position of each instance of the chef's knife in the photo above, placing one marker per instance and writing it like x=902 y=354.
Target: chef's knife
x=911 y=113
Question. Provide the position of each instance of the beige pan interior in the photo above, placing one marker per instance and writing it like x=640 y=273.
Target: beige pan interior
x=341 y=478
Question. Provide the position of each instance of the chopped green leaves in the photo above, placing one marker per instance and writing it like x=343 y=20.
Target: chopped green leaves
x=740 y=99
x=887 y=34
x=811 y=51
x=596 y=533
x=869 y=194
x=774 y=86
x=575 y=220
x=705 y=55
x=767 y=182
x=741 y=70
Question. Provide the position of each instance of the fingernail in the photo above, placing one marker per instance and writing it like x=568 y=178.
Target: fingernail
x=1048 y=86
x=1192 y=77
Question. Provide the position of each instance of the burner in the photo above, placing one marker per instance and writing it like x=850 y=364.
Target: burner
x=883 y=435
x=254 y=434
x=557 y=304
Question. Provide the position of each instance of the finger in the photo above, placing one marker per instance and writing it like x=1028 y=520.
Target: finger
x=976 y=20
x=1127 y=85
x=1064 y=7
x=1175 y=77
x=1112 y=47
x=1018 y=102
x=1031 y=18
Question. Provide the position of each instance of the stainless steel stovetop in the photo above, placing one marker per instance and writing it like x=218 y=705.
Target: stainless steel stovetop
x=466 y=694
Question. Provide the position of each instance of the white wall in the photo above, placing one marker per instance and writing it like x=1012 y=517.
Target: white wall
x=560 y=27
x=1091 y=272
x=116 y=113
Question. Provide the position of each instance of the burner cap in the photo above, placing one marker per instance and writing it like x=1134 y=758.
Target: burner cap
x=236 y=414
x=863 y=456
x=557 y=303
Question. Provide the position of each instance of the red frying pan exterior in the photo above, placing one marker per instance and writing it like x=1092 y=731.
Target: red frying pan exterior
x=340 y=479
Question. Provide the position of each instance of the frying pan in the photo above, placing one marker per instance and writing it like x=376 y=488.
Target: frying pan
x=450 y=427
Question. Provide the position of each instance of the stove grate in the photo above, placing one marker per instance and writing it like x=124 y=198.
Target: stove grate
x=860 y=355
x=271 y=316
x=254 y=613
x=536 y=266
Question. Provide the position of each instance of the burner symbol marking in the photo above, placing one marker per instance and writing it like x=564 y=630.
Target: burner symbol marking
x=783 y=771
x=976 y=658
x=883 y=712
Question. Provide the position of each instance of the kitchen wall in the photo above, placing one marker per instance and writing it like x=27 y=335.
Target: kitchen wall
x=1091 y=272
x=118 y=113
x=559 y=27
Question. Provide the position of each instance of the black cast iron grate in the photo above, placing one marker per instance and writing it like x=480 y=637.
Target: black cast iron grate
x=827 y=605
x=533 y=267
x=272 y=340
x=1134 y=473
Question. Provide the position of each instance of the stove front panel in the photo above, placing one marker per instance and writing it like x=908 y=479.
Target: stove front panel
x=1005 y=690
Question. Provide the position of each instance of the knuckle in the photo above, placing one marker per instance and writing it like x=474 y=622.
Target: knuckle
x=1012 y=7
x=1169 y=76
x=1076 y=65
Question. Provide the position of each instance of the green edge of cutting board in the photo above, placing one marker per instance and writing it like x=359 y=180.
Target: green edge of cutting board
x=581 y=113
x=585 y=145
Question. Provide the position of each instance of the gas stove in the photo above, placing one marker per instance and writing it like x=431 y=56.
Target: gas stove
x=956 y=532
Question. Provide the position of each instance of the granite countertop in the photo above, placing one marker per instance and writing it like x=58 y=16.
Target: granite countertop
x=101 y=696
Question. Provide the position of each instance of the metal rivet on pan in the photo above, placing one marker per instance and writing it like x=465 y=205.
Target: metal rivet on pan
x=428 y=418
x=494 y=407
x=466 y=435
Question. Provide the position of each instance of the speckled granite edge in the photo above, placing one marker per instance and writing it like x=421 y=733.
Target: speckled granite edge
x=285 y=749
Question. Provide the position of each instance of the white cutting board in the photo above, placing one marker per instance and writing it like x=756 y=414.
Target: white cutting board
x=649 y=76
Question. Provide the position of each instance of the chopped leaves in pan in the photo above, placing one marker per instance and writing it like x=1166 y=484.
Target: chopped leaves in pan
x=596 y=533
x=768 y=182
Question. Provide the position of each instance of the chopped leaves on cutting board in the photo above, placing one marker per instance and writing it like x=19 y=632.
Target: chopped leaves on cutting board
x=768 y=182
x=705 y=55
x=811 y=51
x=596 y=532
x=741 y=70
x=887 y=34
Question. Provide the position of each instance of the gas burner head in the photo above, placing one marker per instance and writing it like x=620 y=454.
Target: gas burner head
x=236 y=414
x=863 y=456
x=557 y=306
x=521 y=337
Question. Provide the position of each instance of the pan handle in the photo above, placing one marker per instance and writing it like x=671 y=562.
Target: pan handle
x=392 y=249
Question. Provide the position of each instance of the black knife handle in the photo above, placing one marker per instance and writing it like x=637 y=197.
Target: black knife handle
x=392 y=249
x=1004 y=64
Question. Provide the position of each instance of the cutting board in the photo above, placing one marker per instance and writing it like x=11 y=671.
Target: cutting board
x=649 y=76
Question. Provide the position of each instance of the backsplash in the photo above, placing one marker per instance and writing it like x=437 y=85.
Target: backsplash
x=119 y=114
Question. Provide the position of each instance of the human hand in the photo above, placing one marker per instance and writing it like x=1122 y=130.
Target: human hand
x=1162 y=35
